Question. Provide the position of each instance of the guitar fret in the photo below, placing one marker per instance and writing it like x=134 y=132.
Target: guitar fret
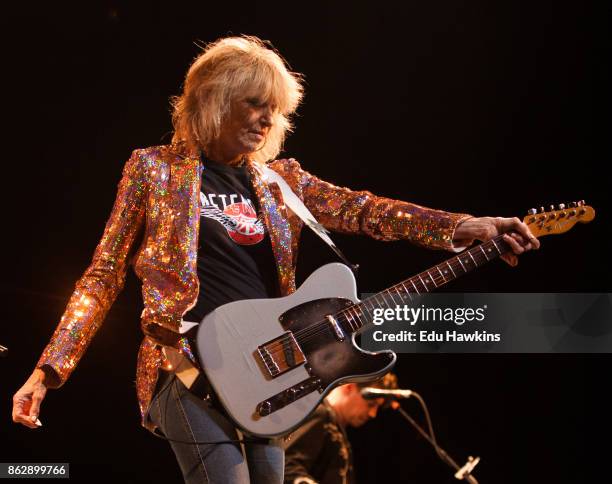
x=343 y=322
x=355 y=318
x=391 y=296
x=358 y=316
x=444 y=278
x=421 y=279
x=413 y=285
x=348 y=317
x=475 y=263
x=368 y=314
x=495 y=244
x=451 y=268
x=399 y=294
x=406 y=291
x=485 y=254
x=462 y=266
x=432 y=279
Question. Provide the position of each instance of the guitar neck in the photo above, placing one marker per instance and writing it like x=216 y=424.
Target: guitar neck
x=360 y=315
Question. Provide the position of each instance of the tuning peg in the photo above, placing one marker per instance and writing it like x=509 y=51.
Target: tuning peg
x=532 y=211
x=581 y=203
x=552 y=208
x=562 y=206
x=541 y=209
x=573 y=204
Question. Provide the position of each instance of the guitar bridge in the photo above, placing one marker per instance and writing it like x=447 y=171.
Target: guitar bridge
x=280 y=355
x=288 y=396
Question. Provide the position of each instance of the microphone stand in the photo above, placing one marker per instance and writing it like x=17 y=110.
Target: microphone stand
x=463 y=473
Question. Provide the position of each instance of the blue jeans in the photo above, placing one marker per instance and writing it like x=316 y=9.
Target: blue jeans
x=180 y=415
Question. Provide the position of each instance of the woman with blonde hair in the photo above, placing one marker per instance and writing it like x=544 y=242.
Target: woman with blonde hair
x=202 y=227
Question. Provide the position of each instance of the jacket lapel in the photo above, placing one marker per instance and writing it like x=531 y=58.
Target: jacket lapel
x=185 y=176
x=277 y=226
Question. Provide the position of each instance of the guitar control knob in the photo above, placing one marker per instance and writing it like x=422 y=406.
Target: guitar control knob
x=532 y=211
x=265 y=408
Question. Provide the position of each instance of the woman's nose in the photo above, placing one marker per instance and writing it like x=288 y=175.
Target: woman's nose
x=266 y=118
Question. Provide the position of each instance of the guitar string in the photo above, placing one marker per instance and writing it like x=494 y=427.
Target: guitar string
x=322 y=326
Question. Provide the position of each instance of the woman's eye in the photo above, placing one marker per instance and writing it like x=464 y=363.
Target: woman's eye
x=253 y=101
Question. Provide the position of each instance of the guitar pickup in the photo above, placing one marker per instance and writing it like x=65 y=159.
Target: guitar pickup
x=280 y=355
x=336 y=327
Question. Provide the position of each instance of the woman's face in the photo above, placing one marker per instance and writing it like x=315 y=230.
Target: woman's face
x=245 y=129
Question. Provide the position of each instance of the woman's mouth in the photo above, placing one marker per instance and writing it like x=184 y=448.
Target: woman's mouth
x=258 y=134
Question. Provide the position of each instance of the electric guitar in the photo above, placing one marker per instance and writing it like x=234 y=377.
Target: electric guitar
x=272 y=361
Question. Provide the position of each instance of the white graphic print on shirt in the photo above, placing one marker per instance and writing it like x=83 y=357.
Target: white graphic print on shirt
x=239 y=218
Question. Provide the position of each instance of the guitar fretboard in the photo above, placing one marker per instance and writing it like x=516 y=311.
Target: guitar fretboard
x=357 y=316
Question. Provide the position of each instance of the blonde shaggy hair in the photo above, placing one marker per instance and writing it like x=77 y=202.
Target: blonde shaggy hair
x=227 y=69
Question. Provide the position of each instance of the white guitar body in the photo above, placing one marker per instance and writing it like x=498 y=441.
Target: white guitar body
x=228 y=340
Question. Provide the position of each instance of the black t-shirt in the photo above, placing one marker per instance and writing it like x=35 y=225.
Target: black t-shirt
x=235 y=259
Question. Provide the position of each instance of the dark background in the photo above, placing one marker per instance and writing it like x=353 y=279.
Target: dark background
x=482 y=107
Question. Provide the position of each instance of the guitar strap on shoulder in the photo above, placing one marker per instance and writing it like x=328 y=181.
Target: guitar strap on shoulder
x=297 y=207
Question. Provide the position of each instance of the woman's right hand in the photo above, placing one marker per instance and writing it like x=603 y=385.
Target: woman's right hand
x=27 y=400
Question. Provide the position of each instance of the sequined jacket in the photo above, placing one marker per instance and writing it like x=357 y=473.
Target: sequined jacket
x=154 y=224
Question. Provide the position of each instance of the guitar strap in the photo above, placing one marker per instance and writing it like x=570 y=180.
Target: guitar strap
x=297 y=207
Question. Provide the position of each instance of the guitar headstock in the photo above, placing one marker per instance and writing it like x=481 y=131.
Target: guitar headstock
x=559 y=220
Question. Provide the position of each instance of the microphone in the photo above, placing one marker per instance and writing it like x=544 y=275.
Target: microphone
x=370 y=393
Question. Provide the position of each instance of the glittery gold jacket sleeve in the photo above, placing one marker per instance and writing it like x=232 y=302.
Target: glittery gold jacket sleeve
x=155 y=224
x=96 y=290
x=343 y=210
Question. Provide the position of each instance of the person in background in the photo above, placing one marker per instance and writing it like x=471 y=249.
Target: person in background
x=319 y=451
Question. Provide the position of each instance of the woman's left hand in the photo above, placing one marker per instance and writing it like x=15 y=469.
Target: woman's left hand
x=516 y=234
